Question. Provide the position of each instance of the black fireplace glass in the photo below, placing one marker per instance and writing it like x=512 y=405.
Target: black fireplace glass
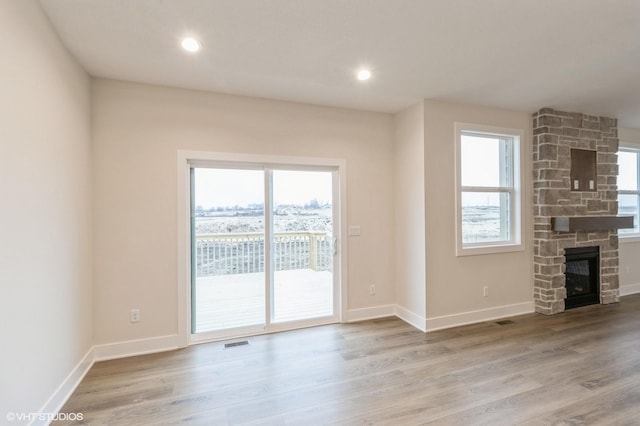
x=578 y=278
x=582 y=276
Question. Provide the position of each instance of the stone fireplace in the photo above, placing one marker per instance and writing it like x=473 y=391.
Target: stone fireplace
x=571 y=210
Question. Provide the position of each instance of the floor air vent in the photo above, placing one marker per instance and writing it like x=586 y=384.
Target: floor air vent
x=234 y=344
x=504 y=322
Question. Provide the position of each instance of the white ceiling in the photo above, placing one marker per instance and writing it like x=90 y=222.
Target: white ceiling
x=577 y=55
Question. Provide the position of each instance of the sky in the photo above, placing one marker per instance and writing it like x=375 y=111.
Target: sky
x=231 y=187
x=480 y=161
x=480 y=166
x=628 y=172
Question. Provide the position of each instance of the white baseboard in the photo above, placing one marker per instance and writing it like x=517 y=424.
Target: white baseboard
x=371 y=313
x=411 y=318
x=628 y=289
x=465 y=318
x=440 y=323
x=64 y=391
x=135 y=347
x=99 y=353
x=167 y=343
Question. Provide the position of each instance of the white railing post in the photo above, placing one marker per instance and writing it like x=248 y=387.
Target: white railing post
x=313 y=255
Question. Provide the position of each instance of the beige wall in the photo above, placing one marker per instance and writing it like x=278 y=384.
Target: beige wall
x=629 y=250
x=137 y=130
x=409 y=211
x=45 y=219
x=68 y=283
x=454 y=284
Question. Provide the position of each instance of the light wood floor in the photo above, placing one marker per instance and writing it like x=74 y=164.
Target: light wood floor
x=580 y=367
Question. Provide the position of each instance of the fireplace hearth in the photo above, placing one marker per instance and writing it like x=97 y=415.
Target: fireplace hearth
x=582 y=276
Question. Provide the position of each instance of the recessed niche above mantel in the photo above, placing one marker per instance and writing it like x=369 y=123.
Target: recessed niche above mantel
x=584 y=175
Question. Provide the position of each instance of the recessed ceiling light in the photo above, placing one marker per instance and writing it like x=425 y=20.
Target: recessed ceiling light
x=364 y=75
x=190 y=44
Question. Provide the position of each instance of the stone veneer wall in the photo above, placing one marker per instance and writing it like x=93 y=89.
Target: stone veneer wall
x=555 y=133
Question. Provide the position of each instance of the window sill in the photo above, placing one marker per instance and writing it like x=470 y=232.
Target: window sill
x=490 y=249
x=629 y=239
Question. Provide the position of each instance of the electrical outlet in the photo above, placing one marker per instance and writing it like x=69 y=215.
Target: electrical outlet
x=134 y=315
x=372 y=289
x=485 y=291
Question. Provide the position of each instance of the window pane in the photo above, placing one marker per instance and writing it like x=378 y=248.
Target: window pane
x=228 y=242
x=628 y=171
x=485 y=161
x=485 y=217
x=628 y=206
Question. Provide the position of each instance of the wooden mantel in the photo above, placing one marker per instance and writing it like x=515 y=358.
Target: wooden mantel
x=590 y=223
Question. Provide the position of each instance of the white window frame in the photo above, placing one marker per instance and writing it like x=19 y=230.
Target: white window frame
x=514 y=243
x=630 y=237
x=188 y=159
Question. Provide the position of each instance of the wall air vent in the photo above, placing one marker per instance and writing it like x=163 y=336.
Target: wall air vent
x=234 y=344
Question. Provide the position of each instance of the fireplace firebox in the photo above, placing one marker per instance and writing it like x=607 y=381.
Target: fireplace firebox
x=582 y=276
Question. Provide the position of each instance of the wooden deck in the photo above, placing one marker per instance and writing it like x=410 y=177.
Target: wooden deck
x=229 y=301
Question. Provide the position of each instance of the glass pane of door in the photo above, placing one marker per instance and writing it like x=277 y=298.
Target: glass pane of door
x=302 y=246
x=228 y=249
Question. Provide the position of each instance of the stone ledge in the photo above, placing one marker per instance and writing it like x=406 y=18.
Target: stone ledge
x=590 y=223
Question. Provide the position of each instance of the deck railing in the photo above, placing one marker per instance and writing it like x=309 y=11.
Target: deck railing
x=243 y=253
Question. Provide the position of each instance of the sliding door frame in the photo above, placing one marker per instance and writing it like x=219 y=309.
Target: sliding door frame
x=190 y=159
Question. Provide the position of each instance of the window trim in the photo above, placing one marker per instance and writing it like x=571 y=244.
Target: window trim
x=630 y=237
x=187 y=159
x=515 y=242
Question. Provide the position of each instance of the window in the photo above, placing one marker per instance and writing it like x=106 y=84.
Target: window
x=488 y=189
x=629 y=188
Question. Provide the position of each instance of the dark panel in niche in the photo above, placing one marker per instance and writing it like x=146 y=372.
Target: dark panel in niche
x=583 y=170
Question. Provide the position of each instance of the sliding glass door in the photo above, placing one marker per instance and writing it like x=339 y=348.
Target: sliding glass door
x=228 y=249
x=263 y=248
x=303 y=245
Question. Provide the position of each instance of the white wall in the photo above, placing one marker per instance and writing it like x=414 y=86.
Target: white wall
x=629 y=249
x=137 y=130
x=409 y=219
x=45 y=219
x=454 y=284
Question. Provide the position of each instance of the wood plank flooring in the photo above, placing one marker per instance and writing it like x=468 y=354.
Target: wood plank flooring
x=581 y=367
